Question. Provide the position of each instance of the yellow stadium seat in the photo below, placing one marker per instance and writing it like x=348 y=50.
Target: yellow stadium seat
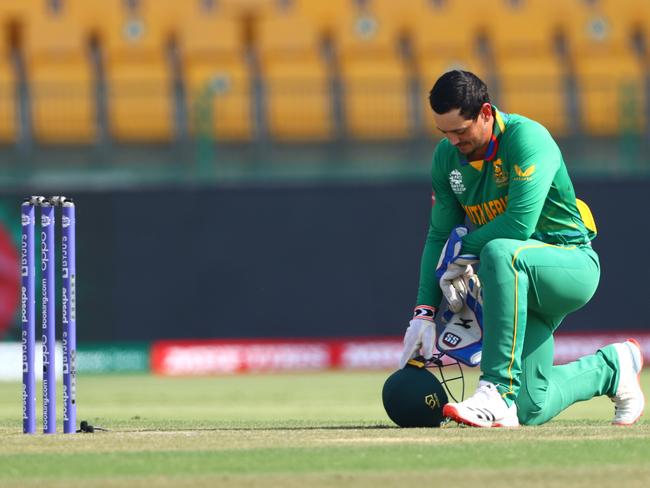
x=217 y=80
x=527 y=62
x=140 y=102
x=7 y=100
x=557 y=12
x=376 y=99
x=138 y=75
x=402 y=13
x=287 y=34
x=375 y=78
x=91 y=15
x=445 y=37
x=637 y=14
x=599 y=31
x=626 y=12
x=512 y=35
x=631 y=17
x=298 y=102
x=450 y=28
x=18 y=10
x=107 y=19
x=174 y=12
x=140 y=33
x=611 y=95
x=63 y=102
x=534 y=88
x=60 y=78
x=363 y=35
x=608 y=72
x=11 y=11
x=209 y=34
x=241 y=7
x=325 y=14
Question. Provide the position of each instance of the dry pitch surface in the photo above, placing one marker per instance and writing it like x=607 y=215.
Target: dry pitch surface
x=321 y=429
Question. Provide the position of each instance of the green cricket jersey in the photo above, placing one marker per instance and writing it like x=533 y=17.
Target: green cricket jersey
x=521 y=190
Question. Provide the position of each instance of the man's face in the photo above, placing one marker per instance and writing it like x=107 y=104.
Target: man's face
x=470 y=137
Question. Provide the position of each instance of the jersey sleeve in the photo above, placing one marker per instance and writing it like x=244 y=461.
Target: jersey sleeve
x=536 y=160
x=446 y=213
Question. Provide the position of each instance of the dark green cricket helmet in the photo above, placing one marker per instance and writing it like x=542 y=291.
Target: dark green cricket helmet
x=414 y=396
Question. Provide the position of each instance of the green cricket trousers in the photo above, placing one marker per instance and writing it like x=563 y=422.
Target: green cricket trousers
x=528 y=289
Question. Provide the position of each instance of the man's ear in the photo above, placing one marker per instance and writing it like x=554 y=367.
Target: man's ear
x=486 y=110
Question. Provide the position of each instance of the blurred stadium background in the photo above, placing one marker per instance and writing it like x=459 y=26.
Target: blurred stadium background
x=251 y=169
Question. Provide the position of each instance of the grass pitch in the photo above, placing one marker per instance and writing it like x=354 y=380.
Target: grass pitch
x=296 y=430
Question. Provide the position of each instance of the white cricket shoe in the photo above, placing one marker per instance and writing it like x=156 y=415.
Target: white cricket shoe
x=485 y=408
x=629 y=398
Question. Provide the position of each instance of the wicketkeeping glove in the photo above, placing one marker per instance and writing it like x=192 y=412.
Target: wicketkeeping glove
x=420 y=335
x=452 y=265
x=461 y=333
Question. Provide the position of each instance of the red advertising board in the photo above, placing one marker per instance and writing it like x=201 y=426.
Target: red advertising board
x=206 y=357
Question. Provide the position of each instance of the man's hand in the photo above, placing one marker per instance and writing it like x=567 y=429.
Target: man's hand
x=452 y=265
x=420 y=335
x=453 y=285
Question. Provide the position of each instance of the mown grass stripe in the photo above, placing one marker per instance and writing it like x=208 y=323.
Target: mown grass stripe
x=277 y=459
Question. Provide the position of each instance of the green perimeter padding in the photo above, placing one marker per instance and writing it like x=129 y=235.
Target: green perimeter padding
x=127 y=357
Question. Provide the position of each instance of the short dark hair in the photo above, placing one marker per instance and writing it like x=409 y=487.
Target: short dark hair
x=459 y=89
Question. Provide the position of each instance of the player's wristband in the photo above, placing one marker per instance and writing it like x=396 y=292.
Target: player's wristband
x=424 y=312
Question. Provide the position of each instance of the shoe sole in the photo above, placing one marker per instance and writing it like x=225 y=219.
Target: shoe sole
x=451 y=412
x=638 y=380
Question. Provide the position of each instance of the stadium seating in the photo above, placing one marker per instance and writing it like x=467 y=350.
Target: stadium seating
x=91 y=15
x=374 y=76
x=595 y=31
x=239 y=7
x=512 y=35
x=450 y=28
x=402 y=14
x=385 y=52
x=61 y=85
x=609 y=74
x=138 y=73
x=216 y=76
x=17 y=10
x=325 y=14
x=636 y=14
x=535 y=90
x=530 y=70
x=612 y=96
x=7 y=98
x=295 y=76
x=444 y=37
x=13 y=14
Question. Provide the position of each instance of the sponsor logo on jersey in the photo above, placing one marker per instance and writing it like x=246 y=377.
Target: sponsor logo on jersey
x=524 y=174
x=456 y=182
x=500 y=175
